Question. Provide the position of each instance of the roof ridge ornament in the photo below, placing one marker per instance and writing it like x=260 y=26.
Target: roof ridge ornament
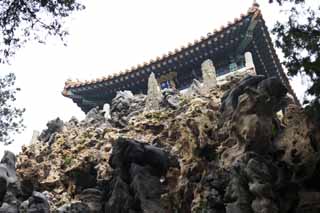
x=254 y=8
x=70 y=83
x=255 y=3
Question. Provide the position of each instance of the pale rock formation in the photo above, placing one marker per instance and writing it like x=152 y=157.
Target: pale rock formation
x=35 y=136
x=106 y=110
x=194 y=89
x=208 y=74
x=249 y=63
x=154 y=96
x=248 y=59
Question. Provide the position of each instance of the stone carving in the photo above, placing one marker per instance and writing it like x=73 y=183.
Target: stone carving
x=154 y=96
x=208 y=74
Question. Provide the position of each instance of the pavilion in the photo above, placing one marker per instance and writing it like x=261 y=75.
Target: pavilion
x=225 y=47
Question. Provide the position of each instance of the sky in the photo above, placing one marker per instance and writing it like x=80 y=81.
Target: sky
x=110 y=36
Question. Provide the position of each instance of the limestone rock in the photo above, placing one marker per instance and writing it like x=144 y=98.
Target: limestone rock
x=248 y=59
x=172 y=98
x=35 y=136
x=124 y=106
x=194 y=89
x=120 y=199
x=106 y=111
x=93 y=199
x=208 y=74
x=38 y=203
x=142 y=165
x=208 y=152
x=10 y=203
x=297 y=144
x=154 y=96
x=7 y=173
x=74 y=207
x=147 y=188
x=94 y=116
x=127 y=151
x=230 y=98
x=53 y=127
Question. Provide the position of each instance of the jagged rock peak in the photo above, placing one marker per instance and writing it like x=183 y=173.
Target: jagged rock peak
x=154 y=96
x=209 y=74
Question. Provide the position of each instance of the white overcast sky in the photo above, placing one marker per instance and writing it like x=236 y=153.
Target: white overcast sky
x=110 y=36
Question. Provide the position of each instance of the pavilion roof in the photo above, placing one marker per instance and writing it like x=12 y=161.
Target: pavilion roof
x=235 y=36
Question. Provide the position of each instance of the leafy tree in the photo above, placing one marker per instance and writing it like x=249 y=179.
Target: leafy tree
x=299 y=39
x=10 y=116
x=22 y=21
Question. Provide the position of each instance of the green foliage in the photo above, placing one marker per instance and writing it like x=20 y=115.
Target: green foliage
x=67 y=160
x=299 y=39
x=10 y=116
x=274 y=131
x=282 y=1
x=202 y=208
x=24 y=20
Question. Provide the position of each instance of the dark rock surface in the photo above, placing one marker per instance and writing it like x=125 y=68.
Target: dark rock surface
x=12 y=196
x=124 y=106
x=93 y=199
x=139 y=167
x=94 y=116
x=172 y=98
x=53 y=127
x=74 y=207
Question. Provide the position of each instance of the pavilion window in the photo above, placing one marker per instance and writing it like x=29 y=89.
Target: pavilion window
x=232 y=65
x=167 y=80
